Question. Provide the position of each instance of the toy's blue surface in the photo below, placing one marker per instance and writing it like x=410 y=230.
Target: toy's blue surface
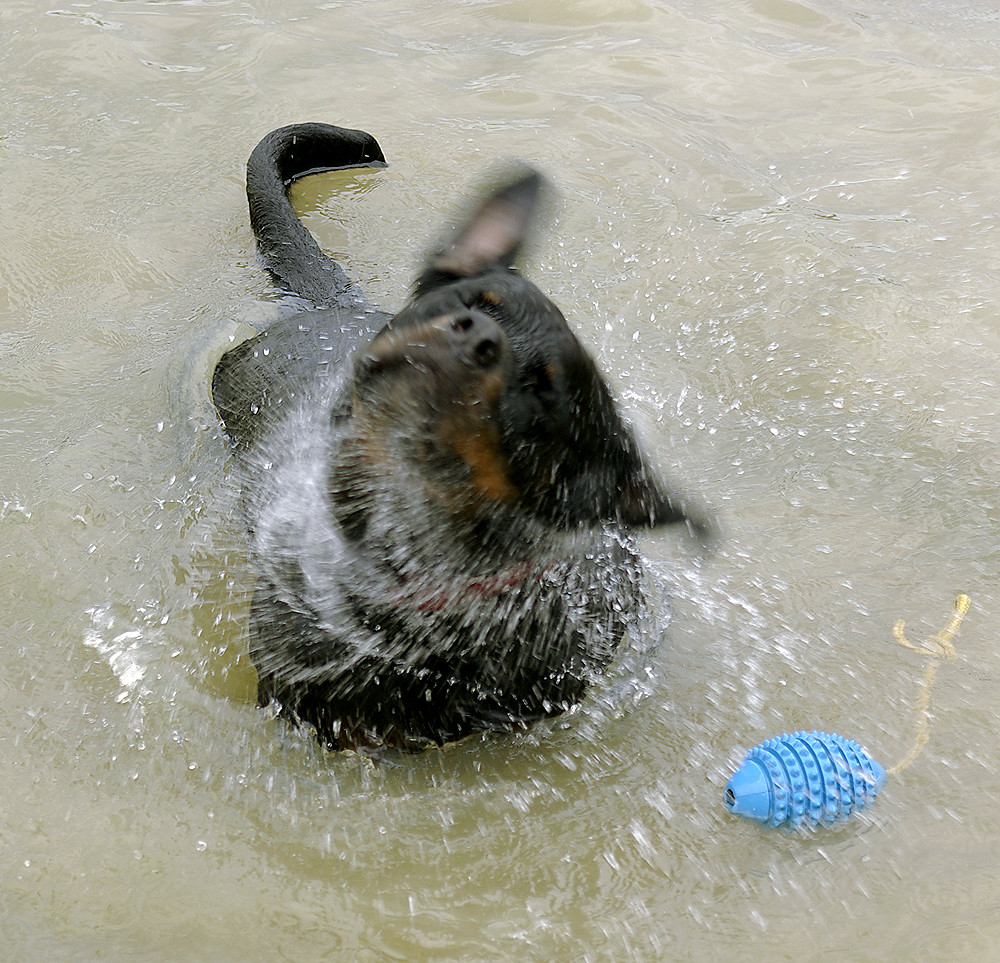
x=804 y=778
x=813 y=778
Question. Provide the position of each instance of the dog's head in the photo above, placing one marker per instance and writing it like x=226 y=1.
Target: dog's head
x=480 y=384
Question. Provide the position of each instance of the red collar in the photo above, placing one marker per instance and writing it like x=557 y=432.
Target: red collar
x=426 y=597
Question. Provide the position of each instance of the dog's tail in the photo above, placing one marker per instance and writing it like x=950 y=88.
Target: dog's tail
x=291 y=256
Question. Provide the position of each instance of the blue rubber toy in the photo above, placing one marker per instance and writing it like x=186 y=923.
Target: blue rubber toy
x=805 y=778
x=816 y=778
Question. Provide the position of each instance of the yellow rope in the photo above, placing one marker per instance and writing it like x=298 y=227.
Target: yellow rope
x=940 y=648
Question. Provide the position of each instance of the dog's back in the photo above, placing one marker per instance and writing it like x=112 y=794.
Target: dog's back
x=292 y=354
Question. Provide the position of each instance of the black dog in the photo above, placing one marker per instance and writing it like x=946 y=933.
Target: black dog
x=436 y=500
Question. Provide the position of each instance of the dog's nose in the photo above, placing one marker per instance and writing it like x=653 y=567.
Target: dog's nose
x=475 y=338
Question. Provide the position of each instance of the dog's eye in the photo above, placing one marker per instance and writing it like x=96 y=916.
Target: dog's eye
x=489 y=299
x=489 y=302
x=540 y=378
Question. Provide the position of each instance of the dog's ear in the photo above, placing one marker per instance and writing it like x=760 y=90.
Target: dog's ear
x=643 y=502
x=492 y=236
x=581 y=465
x=622 y=489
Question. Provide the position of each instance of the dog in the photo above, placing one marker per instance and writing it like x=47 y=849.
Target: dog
x=439 y=502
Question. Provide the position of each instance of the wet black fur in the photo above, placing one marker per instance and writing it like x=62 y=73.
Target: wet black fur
x=438 y=501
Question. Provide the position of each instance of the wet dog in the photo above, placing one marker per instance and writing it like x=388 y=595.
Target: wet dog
x=438 y=501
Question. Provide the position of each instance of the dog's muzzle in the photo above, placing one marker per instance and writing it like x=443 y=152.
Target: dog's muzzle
x=470 y=337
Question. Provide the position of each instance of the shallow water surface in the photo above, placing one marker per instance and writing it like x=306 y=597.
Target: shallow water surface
x=776 y=228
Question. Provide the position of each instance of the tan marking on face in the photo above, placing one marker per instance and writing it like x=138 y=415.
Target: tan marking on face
x=473 y=436
x=491 y=297
x=490 y=388
x=481 y=452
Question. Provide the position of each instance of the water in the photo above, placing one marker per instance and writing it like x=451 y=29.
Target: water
x=776 y=229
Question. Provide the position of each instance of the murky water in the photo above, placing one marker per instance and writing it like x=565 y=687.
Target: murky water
x=777 y=229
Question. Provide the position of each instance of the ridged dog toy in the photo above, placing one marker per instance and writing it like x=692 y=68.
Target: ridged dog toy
x=816 y=778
